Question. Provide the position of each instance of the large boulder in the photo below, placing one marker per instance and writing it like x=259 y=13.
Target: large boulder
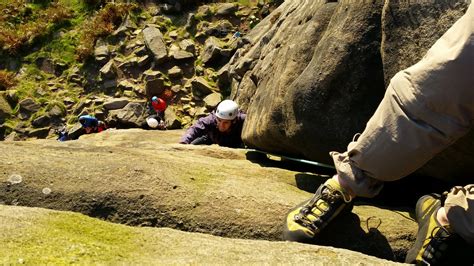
x=313 y=76
x=409 y=30
x=155 y=43
x=107 y=243
x=212 y=100
x=143 y=177
x=29 y=105
x=226 y=9
x=200 y=87
x=312 y=73
x=188 y=45
x=116 y=103
x=154 y=87
x=171 y=119
x=109 y=70
x=215 y=53
x=132 y=115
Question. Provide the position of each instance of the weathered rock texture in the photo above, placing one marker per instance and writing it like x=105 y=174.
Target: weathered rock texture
x=313 y=72
x=315 y=76
x=140 y=177
x=40 y=236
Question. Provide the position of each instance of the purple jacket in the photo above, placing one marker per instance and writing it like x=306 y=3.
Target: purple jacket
x=207 y=127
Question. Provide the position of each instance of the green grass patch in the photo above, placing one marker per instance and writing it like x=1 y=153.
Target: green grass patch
x=63 y=238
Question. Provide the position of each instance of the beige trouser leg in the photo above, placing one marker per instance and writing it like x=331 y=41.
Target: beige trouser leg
x=426 y=108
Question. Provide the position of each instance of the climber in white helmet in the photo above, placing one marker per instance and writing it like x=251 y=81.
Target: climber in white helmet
x=223 y=127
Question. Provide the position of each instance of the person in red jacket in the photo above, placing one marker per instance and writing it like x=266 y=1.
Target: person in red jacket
x=157 y=113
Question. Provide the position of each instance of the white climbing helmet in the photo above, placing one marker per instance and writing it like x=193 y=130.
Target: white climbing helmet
x=227 y=110
x=152 y=122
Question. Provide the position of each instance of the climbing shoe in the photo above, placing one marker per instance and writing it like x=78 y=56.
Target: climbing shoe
x=305 y=221
x=435 y=244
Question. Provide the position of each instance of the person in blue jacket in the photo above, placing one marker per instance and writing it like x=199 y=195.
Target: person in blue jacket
x=91 y=124
x=222 y=127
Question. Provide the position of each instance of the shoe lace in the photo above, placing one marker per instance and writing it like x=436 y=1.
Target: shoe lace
x=433 y=250
x=328 y=195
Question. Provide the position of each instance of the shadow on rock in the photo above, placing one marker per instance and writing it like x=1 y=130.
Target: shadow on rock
x=309 y=182
x=406 y=191
x=345 y=231
x=274 y=161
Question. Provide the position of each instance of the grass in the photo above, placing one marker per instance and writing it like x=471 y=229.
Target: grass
x=63 y=238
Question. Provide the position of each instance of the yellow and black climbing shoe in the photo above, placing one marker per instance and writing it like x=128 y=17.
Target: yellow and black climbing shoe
x=305 y=221
x=436 y=244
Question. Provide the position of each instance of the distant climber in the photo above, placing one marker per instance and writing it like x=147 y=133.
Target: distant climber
x=91 y=124
x=223 y=127
x=156 y=111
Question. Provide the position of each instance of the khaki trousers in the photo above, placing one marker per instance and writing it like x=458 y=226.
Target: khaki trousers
x=426 y=108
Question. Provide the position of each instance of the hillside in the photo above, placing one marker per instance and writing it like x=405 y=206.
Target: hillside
x=62 y=59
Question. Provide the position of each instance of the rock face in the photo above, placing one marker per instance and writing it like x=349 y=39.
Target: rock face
x=311 y=76
x=167 y=246
x=132 y=115
x=143 y=178
x=409 y=30
x=312 y=73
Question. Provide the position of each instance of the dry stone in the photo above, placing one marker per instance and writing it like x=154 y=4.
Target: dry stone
x=154 y=87
x=41 y=121
x=188 y=45
x=101 y=53
x=164 y=245
x=146 y=178
x=311 y=73
x=132 y=115
x=155 y=43
x=181 y=55
x=227 y=9
x=212 y=100
x=114 y=104
x=171 y=119
x=39 y=132
x=175 y=72
x=108 y=70
x=200 y=87
x=29 y=105
x=411 y=28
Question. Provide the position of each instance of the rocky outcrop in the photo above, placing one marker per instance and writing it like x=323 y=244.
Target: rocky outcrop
x=167 y=246
x=131 y=115
x=145 y=55
x=310 y=76
x=312 y=73
x=143 y=178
